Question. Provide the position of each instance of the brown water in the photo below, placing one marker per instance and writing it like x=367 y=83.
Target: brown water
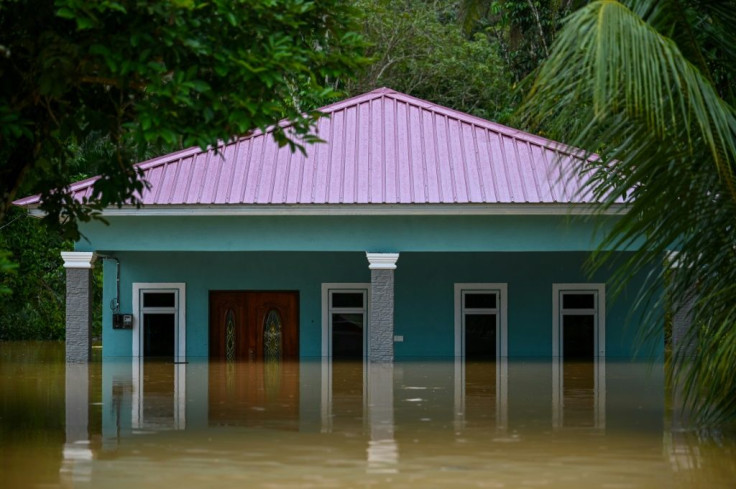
x=515 y=424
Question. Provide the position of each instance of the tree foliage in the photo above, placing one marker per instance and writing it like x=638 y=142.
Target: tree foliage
x=33 y=305
x=419 y=48
x=523 y=29
x=154 y=74
x=643 y=83
x=87 y=88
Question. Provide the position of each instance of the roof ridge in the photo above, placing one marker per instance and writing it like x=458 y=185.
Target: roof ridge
x=356 y=99
x=453 y=113
x=479 y=121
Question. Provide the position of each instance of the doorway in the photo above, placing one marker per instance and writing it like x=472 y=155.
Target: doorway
x=250 y=325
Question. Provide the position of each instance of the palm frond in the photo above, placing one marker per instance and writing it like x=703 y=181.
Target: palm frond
x=617 y=85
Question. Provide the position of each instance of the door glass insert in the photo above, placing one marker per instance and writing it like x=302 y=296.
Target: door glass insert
x=272 y=338
x=230 y=335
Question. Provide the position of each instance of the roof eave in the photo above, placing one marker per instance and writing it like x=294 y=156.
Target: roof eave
x=509 y=209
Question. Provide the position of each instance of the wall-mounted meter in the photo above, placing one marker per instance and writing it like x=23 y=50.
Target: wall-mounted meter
x=122 y=321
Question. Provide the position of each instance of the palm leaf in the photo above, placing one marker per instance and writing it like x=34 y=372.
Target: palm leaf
x=616 y=84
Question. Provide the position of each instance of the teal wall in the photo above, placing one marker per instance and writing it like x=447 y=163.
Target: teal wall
x=424 y=294
x=344 y=233
x=424 y=305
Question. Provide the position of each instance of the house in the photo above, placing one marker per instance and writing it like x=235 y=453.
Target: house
x=413 y=231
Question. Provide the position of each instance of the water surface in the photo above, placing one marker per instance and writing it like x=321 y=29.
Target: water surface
x=427 y=424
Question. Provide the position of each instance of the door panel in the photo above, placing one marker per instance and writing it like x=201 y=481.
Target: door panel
x=247 y=312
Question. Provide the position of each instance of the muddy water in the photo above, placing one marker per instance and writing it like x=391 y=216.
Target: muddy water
x=442 y=424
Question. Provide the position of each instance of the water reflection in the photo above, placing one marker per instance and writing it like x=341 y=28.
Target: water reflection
x=77 y=453
x=253 y=394
x=579 y=393
x=158 y=395
x=481 y=393
x=319 y=424
x=383 y=453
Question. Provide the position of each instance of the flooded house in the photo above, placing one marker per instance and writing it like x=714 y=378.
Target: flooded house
x=412 y=231
x=405 y=303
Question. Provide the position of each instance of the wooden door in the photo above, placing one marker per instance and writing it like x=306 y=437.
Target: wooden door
x=247 y=325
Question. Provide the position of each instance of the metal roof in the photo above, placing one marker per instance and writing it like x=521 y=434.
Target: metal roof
x=382 y=147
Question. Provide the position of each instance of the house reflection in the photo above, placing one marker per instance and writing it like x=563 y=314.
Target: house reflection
x=481 y=394
x=159 y=396
x=579 y=393
x=254 y=394
x=343 y=396
x=355 y=399
x=77 y=454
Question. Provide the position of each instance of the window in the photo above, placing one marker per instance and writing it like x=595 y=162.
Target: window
x=578 y=350
x=481 y=321
x=481 y=328
x=344 y=320
x=579 y=321
x=159 y=328
x=344 y=325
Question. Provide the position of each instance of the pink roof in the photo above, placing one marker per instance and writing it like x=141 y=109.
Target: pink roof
x=382 y=147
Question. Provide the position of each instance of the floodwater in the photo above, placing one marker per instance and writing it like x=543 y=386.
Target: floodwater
x=317 y=424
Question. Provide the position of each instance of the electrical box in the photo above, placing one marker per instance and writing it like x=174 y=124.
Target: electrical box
x=122 y=321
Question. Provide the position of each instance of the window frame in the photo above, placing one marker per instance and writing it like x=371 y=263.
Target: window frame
x=179 y=310
x=501 y=311
x=327 y=310
x=598 y=311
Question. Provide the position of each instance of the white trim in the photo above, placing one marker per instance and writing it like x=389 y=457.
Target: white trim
x=382 y=261
x=79 y=259
x=358 y=210
x=599 y=311
x=180 y=334
x=327 y=309
x=501 y=289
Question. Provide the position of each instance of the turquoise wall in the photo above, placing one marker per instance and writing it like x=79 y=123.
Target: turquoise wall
x=344 y=233
x=424 y=299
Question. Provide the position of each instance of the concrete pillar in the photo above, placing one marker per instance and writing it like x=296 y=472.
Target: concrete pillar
x=381 y=321
x=78 y=305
